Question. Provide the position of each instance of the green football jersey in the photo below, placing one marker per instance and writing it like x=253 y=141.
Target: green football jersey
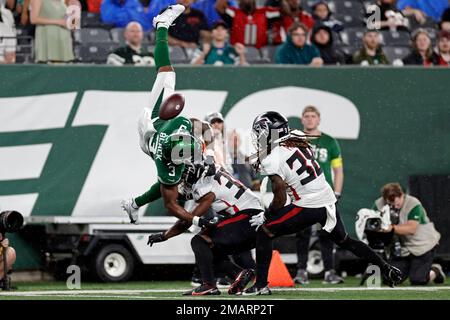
x=168 y=172
x=328 y=153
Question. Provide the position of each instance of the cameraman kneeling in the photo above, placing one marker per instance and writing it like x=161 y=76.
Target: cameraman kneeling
x=417 y=234
x=10 y=257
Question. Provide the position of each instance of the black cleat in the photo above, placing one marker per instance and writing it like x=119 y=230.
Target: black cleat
x=440 y=275
x=255 y=291
x=242 y=279
x=203 y=290
x=393 y=276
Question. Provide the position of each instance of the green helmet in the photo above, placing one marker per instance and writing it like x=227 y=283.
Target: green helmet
x=181 y=147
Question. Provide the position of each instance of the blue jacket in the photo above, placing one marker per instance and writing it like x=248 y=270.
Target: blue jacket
x=120 y=13
x=209 y=9
x=432 y=8
x=288 y=53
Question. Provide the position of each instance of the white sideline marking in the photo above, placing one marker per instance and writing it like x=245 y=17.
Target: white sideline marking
x=129 y=293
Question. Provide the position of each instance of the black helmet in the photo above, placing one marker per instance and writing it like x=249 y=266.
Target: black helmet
x=267 y=128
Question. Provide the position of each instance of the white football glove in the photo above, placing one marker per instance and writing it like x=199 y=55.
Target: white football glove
x=258 y=220
x=131 y=208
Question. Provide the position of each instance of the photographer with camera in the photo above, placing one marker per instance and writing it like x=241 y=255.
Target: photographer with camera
x=10 y=221
x=10 y=257
x=417 y=235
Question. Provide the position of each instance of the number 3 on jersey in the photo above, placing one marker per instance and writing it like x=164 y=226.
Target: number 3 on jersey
x=308 y=165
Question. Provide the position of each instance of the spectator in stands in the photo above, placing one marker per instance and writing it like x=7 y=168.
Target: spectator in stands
x=443 y=48
x=292 y=11
x=323 y=15
x=190 y=29
x=296 y=50
x=20 y=10
x=220 y=51
x=121 y=12
x=53 y=41
x=94 y=6
x=249 y=24
x=422 y=52
x=371 y=53
x=444 y=24
x=322 y=38
x=208 y=7
x=421 y=9
x=132 y=53
x=10 y=257
x=391 y=17
x=418 y=236
x=9 y=41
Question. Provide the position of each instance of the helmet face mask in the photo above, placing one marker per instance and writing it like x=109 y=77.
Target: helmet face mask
x=267 y=129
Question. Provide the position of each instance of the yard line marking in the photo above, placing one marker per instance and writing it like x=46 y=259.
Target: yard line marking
x=126 y=292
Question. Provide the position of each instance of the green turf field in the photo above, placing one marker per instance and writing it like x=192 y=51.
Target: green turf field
x=350 y=290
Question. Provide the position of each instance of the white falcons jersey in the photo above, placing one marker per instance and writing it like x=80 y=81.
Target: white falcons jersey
x=231 y=195
x=306 y=184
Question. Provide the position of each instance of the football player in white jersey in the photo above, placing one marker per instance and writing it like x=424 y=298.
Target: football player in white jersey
x=213 y=187
x=286 y=158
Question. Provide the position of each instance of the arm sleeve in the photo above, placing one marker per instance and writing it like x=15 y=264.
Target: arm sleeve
x=151 y=195
x=335 y=156
x=417 y=214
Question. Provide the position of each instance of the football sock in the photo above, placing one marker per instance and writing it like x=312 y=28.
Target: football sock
x=362 y=250
x=263 y=257
x=162 y=57
x=204 y=259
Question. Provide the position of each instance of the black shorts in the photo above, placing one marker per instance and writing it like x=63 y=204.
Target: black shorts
x=234 y=234
x=292 y=219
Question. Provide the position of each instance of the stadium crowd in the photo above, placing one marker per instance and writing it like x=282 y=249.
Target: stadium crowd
x=239 y=32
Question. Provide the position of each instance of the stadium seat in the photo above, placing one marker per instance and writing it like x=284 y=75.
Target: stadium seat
x=348 y=50
x=253 y=56
x=92 y=35
x=394 y=53
x=395 y=38
x=268 y=53
x=117 y=35
x=349 y=20
x=352 y=36
x=90 y=20
x=94 y=53
x=177 y=55
x=349 y=7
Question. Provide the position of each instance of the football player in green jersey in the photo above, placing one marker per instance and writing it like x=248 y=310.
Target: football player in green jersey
x=170 y=143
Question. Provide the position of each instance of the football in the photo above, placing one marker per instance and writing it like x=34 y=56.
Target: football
x=171 y=107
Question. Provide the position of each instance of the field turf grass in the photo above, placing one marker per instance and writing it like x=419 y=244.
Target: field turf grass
x=169 y=290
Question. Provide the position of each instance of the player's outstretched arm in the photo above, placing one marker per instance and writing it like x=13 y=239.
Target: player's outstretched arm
x=170 y=196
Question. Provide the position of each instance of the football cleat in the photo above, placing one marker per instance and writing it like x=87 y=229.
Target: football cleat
x=168 y=16
x=203 y=290
x=255 y=291
x=223 y=283
x=440 y=275
x=332 y=278
x=393 y=276
x=301 y=277
x=242 y=279
x=130 y=207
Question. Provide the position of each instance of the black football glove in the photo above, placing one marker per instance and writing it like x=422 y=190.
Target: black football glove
x=155 y=237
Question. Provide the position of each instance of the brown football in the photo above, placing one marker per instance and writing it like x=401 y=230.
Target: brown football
x=171 y=107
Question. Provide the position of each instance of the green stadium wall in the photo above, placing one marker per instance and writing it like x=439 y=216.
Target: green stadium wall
x=390 y=122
